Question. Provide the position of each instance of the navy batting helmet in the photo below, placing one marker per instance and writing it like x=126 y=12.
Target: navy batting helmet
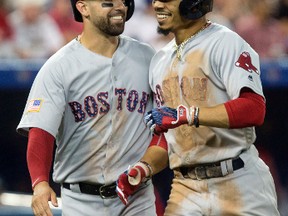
x=194 y=9
x=78 y=17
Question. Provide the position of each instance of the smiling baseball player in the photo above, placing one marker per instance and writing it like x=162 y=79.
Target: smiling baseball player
x=90 y=97
x=208 y=99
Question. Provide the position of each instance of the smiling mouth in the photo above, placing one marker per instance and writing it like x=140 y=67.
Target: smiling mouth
x=117 y=18
x=162 y=17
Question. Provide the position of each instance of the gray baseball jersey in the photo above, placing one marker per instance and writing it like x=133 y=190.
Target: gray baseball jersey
x=211 y=69
x=94 y=106
x=208 y=72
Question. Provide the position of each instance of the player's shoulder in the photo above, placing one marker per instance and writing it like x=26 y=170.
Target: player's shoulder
x=169 y=46
x=61 y=59
x=133 y=41
x=70 y=49
x=224 y=39
x=224 y=34
x=168 y=49
x=129 y=42
x=64 y=54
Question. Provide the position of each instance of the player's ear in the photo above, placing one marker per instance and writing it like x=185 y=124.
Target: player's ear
x=82 y=7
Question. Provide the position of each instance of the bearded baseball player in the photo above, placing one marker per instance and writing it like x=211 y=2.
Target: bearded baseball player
x=208 y=98
x=90 y=97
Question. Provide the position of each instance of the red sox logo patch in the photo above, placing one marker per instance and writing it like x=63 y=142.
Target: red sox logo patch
x=245 y=62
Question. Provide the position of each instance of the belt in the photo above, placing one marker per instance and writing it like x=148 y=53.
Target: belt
x=102 y=190
x=214 y=170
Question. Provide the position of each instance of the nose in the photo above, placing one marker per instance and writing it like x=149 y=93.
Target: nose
x=119 y=3
x=157 y=4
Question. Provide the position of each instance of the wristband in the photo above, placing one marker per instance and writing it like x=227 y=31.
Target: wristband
x=193 y=116
x=190 y=116
x=196 y=117
x=149 y=168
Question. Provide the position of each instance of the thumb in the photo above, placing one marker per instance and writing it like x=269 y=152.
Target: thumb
x=54 y=200
x=133 y=172
x=134 y=176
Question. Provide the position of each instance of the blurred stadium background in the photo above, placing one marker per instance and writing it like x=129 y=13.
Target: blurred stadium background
x=263 y=23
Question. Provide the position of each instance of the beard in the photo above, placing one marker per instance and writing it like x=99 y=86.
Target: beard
x=105 y=26
x=163 y=31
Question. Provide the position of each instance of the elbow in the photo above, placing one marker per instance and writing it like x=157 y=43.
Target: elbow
x=257 y=116
x=260 y=118
x=246 y=112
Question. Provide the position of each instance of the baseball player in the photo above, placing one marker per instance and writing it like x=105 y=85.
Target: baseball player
x=90 y=97
x=208 y=98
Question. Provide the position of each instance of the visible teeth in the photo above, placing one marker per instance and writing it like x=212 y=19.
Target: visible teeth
x=117 y=17
x=161 y=16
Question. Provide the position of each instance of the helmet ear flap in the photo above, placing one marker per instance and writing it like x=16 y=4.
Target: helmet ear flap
x=195 y=9
x=78 y=17
x=131 y=7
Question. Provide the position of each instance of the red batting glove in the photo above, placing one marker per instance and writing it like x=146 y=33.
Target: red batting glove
x=159 y=120
x=129 y=181
x=124 y=189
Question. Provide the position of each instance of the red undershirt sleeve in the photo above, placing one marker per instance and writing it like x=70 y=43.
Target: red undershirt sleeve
x=39 y=155
x=159 y=140
x=246 y=111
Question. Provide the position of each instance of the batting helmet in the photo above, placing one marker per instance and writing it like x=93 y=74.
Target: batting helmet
x=78 y=17
x=194 y=9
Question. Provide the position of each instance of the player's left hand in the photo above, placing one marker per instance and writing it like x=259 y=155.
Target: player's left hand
x=159 y=120
x=42 y=194
x=124 y=189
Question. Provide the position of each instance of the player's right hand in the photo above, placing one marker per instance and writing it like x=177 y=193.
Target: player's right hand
x=42 y=194
x=159 y=120
x=129 y=181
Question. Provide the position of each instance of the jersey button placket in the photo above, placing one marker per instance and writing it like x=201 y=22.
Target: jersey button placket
x=114 y=79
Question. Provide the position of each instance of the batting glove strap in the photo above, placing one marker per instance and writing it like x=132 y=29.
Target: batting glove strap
x=187 y=115
x=148 y=169
x=159 y=120
x=184 y=115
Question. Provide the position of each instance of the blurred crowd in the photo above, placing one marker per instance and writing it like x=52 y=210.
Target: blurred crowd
x=37 y=28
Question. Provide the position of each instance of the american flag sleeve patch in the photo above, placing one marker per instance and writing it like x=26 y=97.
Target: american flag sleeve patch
x=34 y=105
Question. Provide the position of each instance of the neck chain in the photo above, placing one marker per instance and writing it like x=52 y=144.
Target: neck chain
x=180 y=47
x=78 y=38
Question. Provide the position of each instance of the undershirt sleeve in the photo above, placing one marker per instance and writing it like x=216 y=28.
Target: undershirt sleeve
x=39 y=155
x=247 y=110
x=159 y=140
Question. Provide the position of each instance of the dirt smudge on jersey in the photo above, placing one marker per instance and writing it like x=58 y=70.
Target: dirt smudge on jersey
x=229 y=198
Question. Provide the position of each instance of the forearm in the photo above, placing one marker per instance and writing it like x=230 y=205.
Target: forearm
x=214 y=116
x=246 y=111
x=154 y=160
x=39 y=155
x=157 y=158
